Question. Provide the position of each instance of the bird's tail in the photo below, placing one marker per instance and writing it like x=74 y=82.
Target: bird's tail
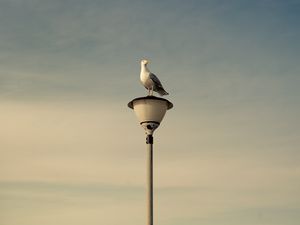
x=162 y=92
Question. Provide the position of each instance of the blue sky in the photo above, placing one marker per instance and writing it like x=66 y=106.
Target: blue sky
x=228 y=153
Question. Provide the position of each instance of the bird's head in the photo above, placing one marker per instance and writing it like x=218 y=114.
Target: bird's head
x=144 y=62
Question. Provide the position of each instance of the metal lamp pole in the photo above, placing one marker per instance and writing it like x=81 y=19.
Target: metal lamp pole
x=150 y=111
x=149 y=142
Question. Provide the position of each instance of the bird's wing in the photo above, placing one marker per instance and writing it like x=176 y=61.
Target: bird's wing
x=155 y=80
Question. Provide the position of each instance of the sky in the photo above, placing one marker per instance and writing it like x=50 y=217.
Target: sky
x=73 y=153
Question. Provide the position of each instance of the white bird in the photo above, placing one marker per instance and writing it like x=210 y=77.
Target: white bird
x=150 y=81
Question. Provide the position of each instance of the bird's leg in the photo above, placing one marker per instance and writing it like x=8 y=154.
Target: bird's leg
x=149 y=90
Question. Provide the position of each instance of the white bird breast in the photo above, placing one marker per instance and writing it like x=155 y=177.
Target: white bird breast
x=148 y=83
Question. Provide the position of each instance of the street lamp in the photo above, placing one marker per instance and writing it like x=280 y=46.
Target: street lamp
x=150 y=111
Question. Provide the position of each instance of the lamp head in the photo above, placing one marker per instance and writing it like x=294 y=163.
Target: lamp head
x=150 y=111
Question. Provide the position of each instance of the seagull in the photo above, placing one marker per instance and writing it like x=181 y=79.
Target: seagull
x=150 y=81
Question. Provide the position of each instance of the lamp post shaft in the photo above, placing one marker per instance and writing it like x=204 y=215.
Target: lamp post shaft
x=150 y=111
x=149 y=142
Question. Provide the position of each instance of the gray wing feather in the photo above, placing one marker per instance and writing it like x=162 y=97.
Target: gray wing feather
x=157 y=85
x=155 y=80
